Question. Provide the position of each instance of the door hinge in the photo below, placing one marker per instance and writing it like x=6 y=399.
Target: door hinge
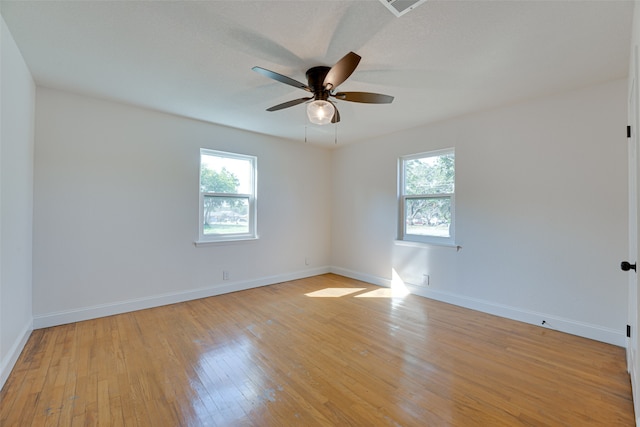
x=628 y=131
x=628 y=331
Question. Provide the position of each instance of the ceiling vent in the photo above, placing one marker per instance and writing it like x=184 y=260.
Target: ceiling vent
x=400 y=7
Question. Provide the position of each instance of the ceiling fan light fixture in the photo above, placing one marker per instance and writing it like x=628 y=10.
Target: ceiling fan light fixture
x=321 y=83
x=320 y=112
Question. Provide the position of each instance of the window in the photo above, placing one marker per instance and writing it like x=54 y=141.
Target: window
x=227 y=196
x=427 y=197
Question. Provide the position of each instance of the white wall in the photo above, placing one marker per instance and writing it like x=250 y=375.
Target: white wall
x=541 y=199
x=17 y=91
x=116 y=210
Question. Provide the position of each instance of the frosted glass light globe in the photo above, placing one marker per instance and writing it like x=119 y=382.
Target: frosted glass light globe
x=320 y=112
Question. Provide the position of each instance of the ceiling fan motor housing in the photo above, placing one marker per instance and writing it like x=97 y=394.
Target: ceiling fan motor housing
x=315 y=79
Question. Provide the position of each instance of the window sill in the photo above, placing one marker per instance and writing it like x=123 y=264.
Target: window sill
x=415 y=244
x=240 y=240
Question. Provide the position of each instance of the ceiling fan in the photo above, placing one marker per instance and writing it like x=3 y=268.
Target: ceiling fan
x=322 y=83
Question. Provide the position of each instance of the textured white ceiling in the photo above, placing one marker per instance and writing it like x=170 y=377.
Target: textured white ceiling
x=443 y=59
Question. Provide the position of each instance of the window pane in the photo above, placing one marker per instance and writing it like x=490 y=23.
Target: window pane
x=428 y=216
x=225 y=175
x=226 y=215
x=429 y=175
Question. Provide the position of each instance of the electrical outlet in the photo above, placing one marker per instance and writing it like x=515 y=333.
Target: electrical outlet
x=425 y=280
x=306 y=260
x=225 y=275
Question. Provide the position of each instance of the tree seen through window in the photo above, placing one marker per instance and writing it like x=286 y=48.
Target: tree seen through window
x=428 y=187
x=227 y=194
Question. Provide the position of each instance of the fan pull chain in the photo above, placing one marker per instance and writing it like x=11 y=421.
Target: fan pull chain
x=305 y=134
x=335 y=138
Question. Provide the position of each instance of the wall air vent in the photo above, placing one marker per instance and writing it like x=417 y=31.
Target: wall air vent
x=400 y=7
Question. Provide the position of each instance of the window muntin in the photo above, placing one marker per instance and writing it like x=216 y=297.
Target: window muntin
x=227 y=196
x=427 y=197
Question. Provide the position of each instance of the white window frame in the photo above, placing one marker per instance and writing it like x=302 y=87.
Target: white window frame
x=402 y=199
x=252 y=210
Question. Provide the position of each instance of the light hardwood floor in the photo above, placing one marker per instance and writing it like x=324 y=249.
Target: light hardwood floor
x=323 y=351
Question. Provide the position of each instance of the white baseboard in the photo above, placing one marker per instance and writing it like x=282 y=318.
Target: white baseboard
x=569 y=326
x=9 y=361
x=102 y=310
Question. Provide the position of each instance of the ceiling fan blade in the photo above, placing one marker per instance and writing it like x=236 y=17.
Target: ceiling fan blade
x=336 y=114
x=282 y=79
x=289 y=104
x=341 y=71
x=365 y=97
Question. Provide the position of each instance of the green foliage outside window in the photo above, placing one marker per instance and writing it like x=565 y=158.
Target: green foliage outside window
x=227 y=196
x=428 y=177
x=220 y=209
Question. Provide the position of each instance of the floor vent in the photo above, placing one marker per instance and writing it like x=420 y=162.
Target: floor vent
x=400 y=7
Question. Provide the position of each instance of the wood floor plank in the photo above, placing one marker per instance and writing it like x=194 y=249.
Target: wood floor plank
x=321 y=351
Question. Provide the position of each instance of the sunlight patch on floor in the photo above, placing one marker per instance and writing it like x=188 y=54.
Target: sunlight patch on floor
x=397 y=290
x=334 y=292
x=377 y=293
